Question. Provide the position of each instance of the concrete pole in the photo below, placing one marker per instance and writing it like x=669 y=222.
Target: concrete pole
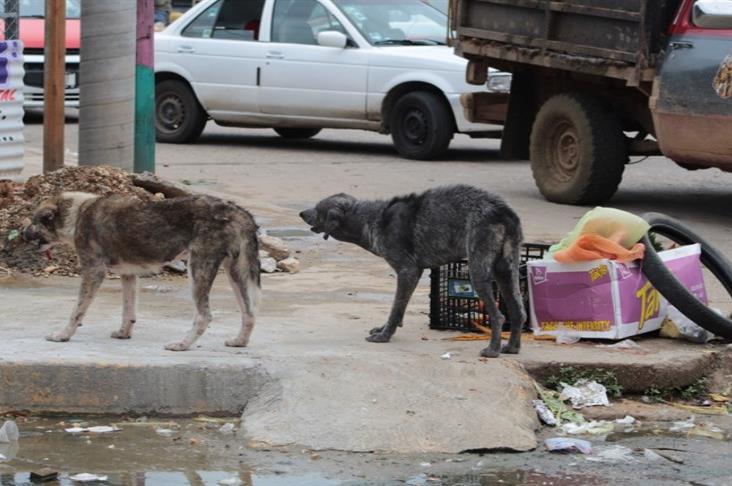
x=145 y=88
x=107 y=89
x=54 y=85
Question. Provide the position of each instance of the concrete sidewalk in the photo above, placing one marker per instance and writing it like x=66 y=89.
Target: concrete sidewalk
x=308 y=377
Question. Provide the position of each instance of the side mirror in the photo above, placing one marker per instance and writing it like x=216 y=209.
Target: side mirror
x=332 y=38
x=713 y=14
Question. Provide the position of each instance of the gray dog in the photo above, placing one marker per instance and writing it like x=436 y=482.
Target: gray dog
x=132 y=237
x=439 y=226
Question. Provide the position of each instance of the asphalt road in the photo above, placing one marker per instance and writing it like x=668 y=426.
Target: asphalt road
x=259 y=166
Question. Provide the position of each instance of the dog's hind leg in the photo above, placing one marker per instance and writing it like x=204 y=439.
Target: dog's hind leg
x=507 y=278
x=203 y=267
x=484 y=247
x=91 y=280
x=129 y=307
x=407 y=280
x=246 y=290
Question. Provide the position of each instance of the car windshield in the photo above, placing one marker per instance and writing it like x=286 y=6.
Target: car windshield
x=37 y=8
x=396 y=22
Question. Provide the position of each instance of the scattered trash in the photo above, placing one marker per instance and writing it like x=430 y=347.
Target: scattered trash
x=678 y=326
x=447 y=355
x=627 y=420
x=585 y=393
x=624 y=344
x=567 y=444
x=274 y=246
x=708 y=431
x=289 y=265
x=227 y=428
x=87 y=477
x=718 y=410
x=561 y=412
x=544 y=413
x=9 y=432
x=594 y=427
x=425 y=464
x=418 y=480
x=43 y=476
x=682 y=425
x=268 y=265
x=567 y=338
x=615 y=453
x=716 y=397
x=178 y=266
x=99 y=429
x=314 y=456
x=234 y=481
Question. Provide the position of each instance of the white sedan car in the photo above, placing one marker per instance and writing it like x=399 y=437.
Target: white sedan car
x=302 y=65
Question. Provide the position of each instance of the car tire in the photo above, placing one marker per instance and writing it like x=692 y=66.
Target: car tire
x=578 y=150
x=674 y=291
x=421 y=125
x=297 y=133
x=179 y=117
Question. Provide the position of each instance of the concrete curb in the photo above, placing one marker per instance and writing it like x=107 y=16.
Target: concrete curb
x=168 y=390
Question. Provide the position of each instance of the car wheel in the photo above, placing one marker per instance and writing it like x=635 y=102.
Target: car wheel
x=297 y=133
x=674 y=291
x=421 y=125
x=179 y=117
x=578 y=150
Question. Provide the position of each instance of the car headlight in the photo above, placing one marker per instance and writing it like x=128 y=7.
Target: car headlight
x=499 y=82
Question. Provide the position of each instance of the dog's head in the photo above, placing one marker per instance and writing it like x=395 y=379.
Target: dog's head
x=328 y=215
x=54 y=219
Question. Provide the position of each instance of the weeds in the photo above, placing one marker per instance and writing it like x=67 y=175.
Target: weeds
x=693 y=391
x=571 y=375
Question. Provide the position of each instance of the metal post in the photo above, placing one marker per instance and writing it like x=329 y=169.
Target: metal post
x=145 y=89
x=54 y=73
x=107 y=83
x=11 y=19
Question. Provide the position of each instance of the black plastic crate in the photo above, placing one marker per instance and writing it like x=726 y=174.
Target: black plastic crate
x=455 y=306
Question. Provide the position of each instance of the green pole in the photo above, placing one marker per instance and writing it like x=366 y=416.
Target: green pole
x=145 y=89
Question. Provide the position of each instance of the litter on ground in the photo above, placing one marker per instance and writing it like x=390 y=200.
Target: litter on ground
x=584 y=393
x=568 y=444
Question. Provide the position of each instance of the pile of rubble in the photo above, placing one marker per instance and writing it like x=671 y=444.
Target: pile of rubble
x=18 y=201
x=274 y=256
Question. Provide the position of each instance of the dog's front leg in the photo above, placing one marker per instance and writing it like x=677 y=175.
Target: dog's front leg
x=91 y=280
x=407 y=280
x=129 y=307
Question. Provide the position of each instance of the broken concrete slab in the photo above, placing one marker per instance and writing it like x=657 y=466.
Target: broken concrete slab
x=380 y=401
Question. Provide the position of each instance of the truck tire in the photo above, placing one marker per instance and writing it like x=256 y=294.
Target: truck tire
x=421 y=125
x=578 y=150
x=674 y=291
x=297 y=133
x=179 y=117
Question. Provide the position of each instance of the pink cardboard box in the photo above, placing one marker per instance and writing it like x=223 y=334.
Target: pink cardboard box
x=605 y=299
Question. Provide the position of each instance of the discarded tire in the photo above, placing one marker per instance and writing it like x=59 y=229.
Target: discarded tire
x=674 y=291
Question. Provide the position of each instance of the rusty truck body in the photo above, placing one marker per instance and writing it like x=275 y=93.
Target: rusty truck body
x=598 y=81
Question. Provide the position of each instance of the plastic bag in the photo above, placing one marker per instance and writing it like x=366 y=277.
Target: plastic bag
x=595 y=247
x=568 y=444
x=678 y=326
x=619 y=226
x=9 y=432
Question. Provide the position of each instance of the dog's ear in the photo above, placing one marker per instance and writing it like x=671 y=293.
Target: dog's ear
x=332 y=221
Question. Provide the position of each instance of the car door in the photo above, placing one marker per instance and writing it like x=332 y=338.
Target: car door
x=303 y=79
x=221 y=52
x=692 y=100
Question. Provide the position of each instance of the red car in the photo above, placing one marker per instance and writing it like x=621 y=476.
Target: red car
x=32 y=13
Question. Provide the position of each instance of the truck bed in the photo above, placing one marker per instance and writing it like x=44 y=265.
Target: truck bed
x=614 y=38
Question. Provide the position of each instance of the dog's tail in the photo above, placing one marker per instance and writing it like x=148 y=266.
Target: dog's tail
x=244 y=258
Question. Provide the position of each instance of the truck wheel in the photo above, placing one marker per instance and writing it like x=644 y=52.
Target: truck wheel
x=578 y=150
x=297 y=133
x=179 y=117
x=421 y=125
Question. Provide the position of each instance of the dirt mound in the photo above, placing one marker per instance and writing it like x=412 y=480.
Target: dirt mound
x=18 y=201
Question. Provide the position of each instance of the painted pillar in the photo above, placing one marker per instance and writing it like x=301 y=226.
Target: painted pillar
x=145 y=88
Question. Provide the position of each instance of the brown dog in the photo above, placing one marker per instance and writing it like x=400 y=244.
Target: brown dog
x=131 y=237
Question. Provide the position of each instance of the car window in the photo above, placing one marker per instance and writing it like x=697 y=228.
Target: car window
x=300 y=21
x=202 y=26
x=228 y=19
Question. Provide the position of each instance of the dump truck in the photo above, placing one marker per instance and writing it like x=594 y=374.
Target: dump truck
x=598 y=81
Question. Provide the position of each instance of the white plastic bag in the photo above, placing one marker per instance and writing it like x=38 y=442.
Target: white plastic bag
x=9 y=432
